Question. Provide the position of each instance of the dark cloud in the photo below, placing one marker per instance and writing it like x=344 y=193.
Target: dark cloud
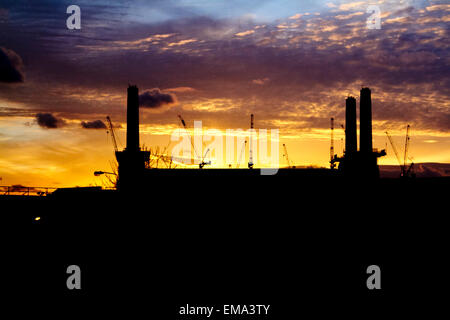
x=49 y=121
x=155 y=98
x=312 y=65
x=11 y=66
x=20 y=188
x=97 y=124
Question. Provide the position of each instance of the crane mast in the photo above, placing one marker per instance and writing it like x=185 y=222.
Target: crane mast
x=286 y=155
x=202 y=162
x=396 y=153
x=241 y=154
x=405 y=158
x=111 y=130
x=332 y=164
x=250 y=159
x=183 y=123
x=405 y=171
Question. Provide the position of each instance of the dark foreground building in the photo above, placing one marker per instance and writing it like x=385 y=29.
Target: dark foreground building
x=135 y=174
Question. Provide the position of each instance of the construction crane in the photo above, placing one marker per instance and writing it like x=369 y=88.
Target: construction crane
x=407 y=172
x=286 y=155
x=250 y=158
x=111 y=131
x=332 y=164
x=395 y=152
x=405 y=157
x=202 y=162
x=404 y=171
x=242 y=152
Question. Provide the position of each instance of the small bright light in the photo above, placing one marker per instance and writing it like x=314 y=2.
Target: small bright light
x=37 y=218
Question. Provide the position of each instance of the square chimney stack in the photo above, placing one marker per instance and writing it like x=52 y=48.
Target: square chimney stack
x=350 y=126
x=133 y=119
x=365 y=121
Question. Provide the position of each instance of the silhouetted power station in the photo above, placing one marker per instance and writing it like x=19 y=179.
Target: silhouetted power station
x=362 y=163
x=134 y=171
x=132 y=160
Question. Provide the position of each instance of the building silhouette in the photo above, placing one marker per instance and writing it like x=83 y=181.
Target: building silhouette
x=365 y=121
x=132 y=160
x=361 y=164
x=350 y=126
x=135 y=174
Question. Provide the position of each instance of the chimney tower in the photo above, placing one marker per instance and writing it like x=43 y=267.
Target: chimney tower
x=133 y=119
x=350 y=126
x=365 y=121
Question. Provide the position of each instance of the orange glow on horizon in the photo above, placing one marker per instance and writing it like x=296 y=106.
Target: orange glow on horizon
x=32 y=156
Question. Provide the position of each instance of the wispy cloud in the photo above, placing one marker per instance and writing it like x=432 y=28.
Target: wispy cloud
x=181 y=42
x=245 y=33
x=352 y=5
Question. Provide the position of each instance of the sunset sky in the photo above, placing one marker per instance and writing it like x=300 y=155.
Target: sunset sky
x=291 y=63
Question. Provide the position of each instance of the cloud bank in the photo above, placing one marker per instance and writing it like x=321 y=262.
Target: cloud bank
x=297 y=69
